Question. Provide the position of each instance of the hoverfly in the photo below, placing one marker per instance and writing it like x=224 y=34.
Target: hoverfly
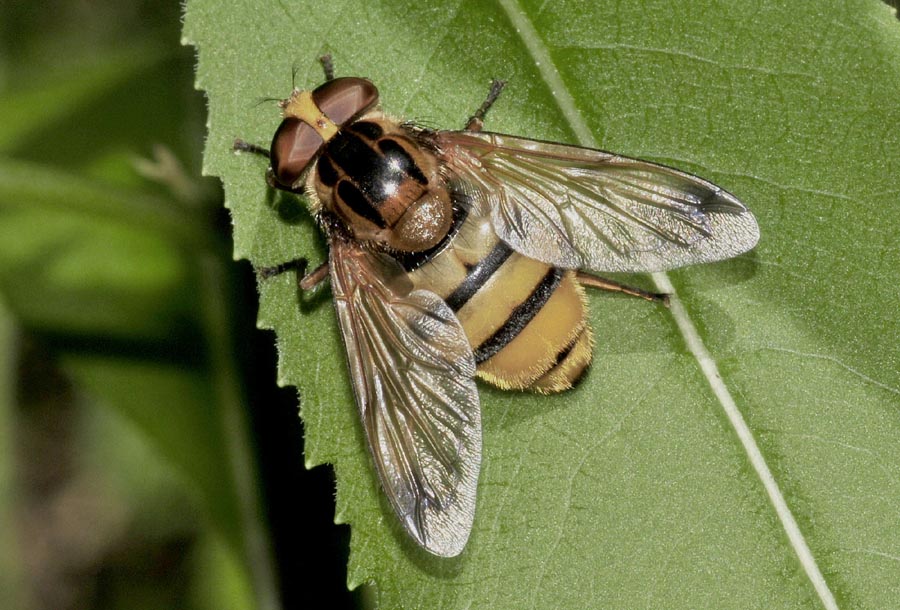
x=456 y=254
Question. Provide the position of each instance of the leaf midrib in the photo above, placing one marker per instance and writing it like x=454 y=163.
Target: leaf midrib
x=694 y=343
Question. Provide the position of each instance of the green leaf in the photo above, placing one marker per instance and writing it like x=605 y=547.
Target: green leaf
x=57 y=96
x=81 y=257
x=643 y=487
x=170 y=406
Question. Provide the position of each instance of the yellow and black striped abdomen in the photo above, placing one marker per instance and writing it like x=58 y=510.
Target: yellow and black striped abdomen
x=524 y=319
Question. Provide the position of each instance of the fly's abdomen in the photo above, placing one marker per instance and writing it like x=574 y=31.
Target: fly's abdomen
x=524 y=319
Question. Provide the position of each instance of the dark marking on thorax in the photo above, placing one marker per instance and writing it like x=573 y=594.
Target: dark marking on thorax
x=376 y=167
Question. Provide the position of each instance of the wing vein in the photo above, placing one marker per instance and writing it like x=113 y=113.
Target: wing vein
x=413 y=375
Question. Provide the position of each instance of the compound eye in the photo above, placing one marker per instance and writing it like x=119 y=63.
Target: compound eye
x=293 y=148
x=342 y=99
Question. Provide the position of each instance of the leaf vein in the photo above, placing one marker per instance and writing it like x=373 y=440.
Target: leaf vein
x=838 y=362
x=551 y=76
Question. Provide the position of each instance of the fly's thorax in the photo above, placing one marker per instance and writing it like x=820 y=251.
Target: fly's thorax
x=383 y=186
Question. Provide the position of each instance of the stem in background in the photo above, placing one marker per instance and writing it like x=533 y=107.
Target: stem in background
x=224 y=377
x=33 y=185
x=12 y=589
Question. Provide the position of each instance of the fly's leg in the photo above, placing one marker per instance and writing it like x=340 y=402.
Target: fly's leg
x=602 y=283
x=242 y=146
x=476 y=121
x=314 y=278
x=327 y=66
x=305 y=281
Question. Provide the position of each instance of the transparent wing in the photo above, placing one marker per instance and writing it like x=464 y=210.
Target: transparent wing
x=580 y=208
x=413 y=375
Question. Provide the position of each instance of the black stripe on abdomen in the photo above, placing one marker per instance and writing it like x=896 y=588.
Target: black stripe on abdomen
x=520 y=316
x=478 y=275
x=564 y=352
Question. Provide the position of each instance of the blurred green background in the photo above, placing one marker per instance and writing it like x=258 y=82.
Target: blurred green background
x=135 y=390
x=147 y=457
